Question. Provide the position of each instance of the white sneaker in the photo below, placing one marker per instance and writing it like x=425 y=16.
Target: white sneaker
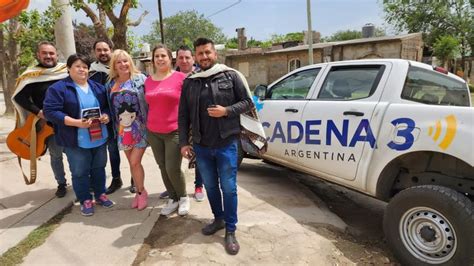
x=198 y=194
x=184 y=205
x=170 y=207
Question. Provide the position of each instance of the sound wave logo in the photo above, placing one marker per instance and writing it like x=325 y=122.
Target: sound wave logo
x=451 y=126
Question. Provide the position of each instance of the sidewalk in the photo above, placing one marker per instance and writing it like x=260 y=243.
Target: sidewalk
x=25 y=207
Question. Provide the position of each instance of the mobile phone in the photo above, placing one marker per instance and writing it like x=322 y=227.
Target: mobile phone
x=211 y=106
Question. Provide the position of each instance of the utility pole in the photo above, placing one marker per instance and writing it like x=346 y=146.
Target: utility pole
x=161 y=22
x=63 y=31
x=310 y=33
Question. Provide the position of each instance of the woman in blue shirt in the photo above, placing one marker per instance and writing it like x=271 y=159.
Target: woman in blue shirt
x=79 y=111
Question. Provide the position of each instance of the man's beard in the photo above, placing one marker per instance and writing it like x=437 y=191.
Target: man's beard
x=104 y=62
x=210 y=66
x=50 y=64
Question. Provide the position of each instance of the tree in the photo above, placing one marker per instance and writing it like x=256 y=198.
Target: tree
x=345 y=35
x=9 y=67
x=445 y=49
x=295 y=36
x=232 y=43
x=183 y=28
x=277 y=38
x=84 y=36
x=18 y=40
x=435 y=19
x=105 y=10
x=254 y=43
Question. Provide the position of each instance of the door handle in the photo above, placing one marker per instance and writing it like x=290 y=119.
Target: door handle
x=353 y=113
x=292 y=110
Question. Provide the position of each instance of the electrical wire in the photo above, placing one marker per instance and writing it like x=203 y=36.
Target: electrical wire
x=225 y=8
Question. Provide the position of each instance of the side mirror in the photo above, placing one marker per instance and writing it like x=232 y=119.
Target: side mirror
x=260 y=91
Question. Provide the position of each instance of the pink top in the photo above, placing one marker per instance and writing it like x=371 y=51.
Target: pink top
x=163 y=101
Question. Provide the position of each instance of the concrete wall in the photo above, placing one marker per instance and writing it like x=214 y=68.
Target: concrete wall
x=264 y=69
x=412 y=49
x=370 y=50
x=254 y=68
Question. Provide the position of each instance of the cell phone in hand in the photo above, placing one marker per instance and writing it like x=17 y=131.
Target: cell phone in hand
x=211 y=106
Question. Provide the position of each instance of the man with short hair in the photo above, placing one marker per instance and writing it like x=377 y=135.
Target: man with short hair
x=185 y=60
x=99 y=72
x=29 y=95
x=211 y=103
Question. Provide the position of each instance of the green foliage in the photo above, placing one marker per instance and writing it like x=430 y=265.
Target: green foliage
x=35 y=27
x=345 y=35
x=295 y=36
x=277 y=38
x=266 y=44
x=289 y=37
x=84 y=38
x=253 y=43
x=232 y=43
x=134 y=44
x=471 y=88
x=434 y=19
x=105 y=4
x=446 y=48
x=183 y=28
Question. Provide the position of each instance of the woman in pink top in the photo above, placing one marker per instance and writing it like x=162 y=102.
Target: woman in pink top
x=162 y=93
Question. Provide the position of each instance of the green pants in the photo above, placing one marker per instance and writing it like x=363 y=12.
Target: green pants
x=167 y=155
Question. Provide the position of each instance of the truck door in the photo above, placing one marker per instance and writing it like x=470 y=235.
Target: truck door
x=337 y=120
x=283 y=106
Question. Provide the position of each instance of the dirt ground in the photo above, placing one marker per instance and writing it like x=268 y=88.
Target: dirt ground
x=361 y=243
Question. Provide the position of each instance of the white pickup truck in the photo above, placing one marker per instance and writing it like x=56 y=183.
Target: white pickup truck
x=397 y=130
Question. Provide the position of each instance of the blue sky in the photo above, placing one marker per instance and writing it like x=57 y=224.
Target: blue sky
x=261 y=18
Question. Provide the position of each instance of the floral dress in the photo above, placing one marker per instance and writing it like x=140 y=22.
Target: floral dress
x=129 y=115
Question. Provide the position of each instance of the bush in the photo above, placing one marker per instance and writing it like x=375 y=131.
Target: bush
x=471 y=88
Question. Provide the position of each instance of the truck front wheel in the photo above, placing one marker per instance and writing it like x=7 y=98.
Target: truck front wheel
x=430 y=225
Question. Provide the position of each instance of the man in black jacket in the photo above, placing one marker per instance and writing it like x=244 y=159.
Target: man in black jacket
x=29 y=96
x=211 y=103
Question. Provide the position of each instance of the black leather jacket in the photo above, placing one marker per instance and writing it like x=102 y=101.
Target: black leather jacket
x=227 y=90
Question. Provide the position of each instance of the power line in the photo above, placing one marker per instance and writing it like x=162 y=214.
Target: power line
x=225 y=8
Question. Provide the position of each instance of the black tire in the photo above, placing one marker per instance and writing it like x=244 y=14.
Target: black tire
x=430 y=225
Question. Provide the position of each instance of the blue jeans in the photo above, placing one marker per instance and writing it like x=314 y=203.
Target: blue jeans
x=114 y=156
x=198 y=178
x=87 y=169
x=56 y=158
x=218 y=166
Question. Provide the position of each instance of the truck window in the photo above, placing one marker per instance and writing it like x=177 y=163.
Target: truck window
x=430 y=87
x=295 y=86
x=351 y=82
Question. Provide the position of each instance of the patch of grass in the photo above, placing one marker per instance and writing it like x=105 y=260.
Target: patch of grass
x=15 y=255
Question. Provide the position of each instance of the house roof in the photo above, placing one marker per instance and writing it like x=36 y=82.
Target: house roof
x=340 y=43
